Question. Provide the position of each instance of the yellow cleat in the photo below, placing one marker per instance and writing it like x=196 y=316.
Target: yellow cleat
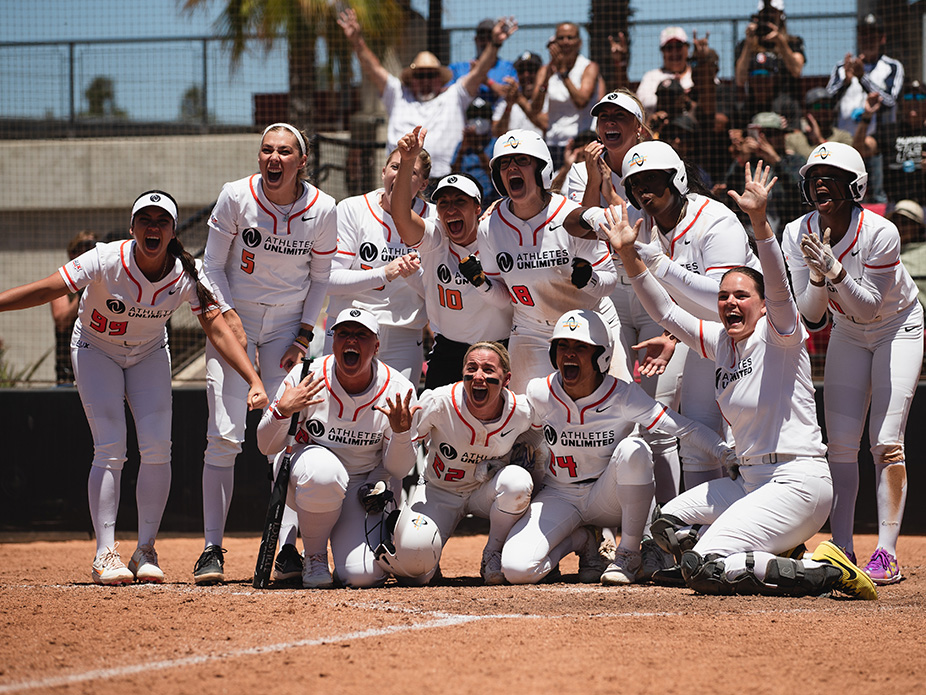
x=854 y=581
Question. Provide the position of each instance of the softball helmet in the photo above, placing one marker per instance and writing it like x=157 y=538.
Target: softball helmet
x=415 y=547
x=654 y=155
x=522 y=142
x=587 y=327
x=840 y=156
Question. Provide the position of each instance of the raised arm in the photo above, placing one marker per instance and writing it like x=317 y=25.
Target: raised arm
x=408 y=223
x=503 y=28
x=369 y=63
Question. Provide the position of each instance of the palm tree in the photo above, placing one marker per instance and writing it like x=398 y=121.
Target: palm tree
x=301 y=23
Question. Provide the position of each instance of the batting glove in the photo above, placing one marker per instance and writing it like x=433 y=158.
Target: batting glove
x=374 y=497
x=819 y=255
x=581 y=272
x=471 y=268
x=731 y=462
x=652 y=256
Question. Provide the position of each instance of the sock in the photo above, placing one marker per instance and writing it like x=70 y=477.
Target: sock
x=103 y=493
x=891 y=495
x=151 y=493
x=845 y=492
x=636 y=502
x=218 y=484
x=289 y=526
x=500 y=525
x=316 y=529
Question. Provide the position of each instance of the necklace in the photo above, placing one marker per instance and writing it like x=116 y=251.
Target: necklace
x=288 y=210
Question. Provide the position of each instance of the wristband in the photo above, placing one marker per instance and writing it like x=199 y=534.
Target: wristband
x=301 y=344
x=277 y=415
x=305 y=333
x=819 y=283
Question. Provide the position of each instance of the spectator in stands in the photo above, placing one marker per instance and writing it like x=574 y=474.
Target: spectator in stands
x=493 y=87
x=419 y=95
x=858 y=77
x=474 y=152
x=907 y=216
x=568 y=83
x=673 y=42
x=818 y=125
x=671 y=102
x=764 y=91
x=64 y=313
x=766 y=33
x=514 y=110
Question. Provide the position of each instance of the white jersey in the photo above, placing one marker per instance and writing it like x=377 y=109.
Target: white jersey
x=583 y=434
x=870 y=248
x=708 y=241
x=517 y=119
x=258 y=253
x=457 y=310
x=367 y=242
x=534 y=259
x=457 y=441
x=345 y=424
x=121 y=307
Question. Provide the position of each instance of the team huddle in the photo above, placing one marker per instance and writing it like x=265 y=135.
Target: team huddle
x=543 y=308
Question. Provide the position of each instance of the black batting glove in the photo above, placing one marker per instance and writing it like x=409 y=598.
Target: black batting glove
x=471 y=268
x=581 y=272
x=374 y=498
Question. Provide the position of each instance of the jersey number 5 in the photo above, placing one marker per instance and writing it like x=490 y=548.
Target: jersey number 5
x=247 y=261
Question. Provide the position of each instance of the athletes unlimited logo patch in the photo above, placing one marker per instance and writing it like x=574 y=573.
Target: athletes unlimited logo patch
x=505 y=261
x=444 y=274
x=368 y=252
x=447 y=451
x=316 y=429
x=550 y=435
x=116 y=306
x=251 y=237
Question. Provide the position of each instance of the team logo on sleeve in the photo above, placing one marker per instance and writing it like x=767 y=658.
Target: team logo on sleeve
x=550 y=435
x=444 y=274
x=447 y=451
x=505 y=261
x=316 y=429
x=251 y=237
x=368 y=252
x=116 y=306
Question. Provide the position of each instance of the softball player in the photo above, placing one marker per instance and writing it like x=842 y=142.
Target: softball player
x=778 y=492
x=348 y=440
x=119 y=352
x=597 y=181
x=268 y=255
x=847 y=260
x=457 y=309
x=533 y=262
x=470 y=427
x=370 y=265
x=695 y=239
x=597 y=474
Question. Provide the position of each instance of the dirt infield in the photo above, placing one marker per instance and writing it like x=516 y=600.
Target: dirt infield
x=62 y=634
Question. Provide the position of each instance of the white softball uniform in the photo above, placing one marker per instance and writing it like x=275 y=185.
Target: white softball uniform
x=764 y=389
x=466 y=471
x=532 y=260
x=367 y=243
x=636 y=327
x=706 y=243
x=271 y=266
x=119 y=353
x=874 y=357
x=342 y=443
x=596 y=469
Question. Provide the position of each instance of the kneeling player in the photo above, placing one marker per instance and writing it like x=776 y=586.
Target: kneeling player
x=345 y=441
x=597 y=474
x=470 y=428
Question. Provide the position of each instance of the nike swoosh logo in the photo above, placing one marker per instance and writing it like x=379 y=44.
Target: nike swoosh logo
x=687 y=241
x=306 y=218
x=507 y=432
x=554 y=226
x=855 y=253
x=845 y=568
x=601 y=410
x=910 y=329
x=172 y=291
x=419 y=342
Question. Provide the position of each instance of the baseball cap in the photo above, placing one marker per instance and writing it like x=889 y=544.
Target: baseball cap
x=870 y=22
x=774 y=4
x=457 y=182
x=767 y=119
x=763 y=64
x=528 y=59
x=669 y=89
x=909 y=209
x=670 y=34
x=355 y=315
x=625 y=101
x=158 y=199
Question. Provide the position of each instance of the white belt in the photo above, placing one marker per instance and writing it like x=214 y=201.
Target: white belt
x=766 y=458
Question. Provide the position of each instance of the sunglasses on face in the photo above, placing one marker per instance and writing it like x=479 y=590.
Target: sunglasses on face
x=914 y=97
x=522 y=160
x=424 y=74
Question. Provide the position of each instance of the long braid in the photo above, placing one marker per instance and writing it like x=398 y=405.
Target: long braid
x=206 y=298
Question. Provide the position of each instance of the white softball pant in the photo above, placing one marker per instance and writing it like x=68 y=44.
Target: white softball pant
x=770 y=507
x=541 y=538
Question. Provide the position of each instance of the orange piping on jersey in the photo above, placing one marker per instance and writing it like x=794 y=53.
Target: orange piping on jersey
x=168 y=285
x=456 y=407
x=328 y=385
x=547 y=221
x=595 y=405
x=293 y=215
x=553 y=393
x=833 y=303
x=366 y=199
x=346 y=253
x=378 y=394
x=128 y=270
x=602 y=259
x=502 y=218
x=658 y=418
x=324 y=253
x=514 y=404
x=260 y=204
x=879 y=267
x=701 y=337
x=456 y=255
x=858 y=231
x=685 y=230
x=69 y=281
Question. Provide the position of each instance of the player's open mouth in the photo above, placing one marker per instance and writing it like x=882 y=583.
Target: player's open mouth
x=351 y=357
x=274 y=175
x=152 y=242
x=515 y=184
x=733 y=319
x=570 y=371
x=480 y=394
x=455 y=227
x=612 y=136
